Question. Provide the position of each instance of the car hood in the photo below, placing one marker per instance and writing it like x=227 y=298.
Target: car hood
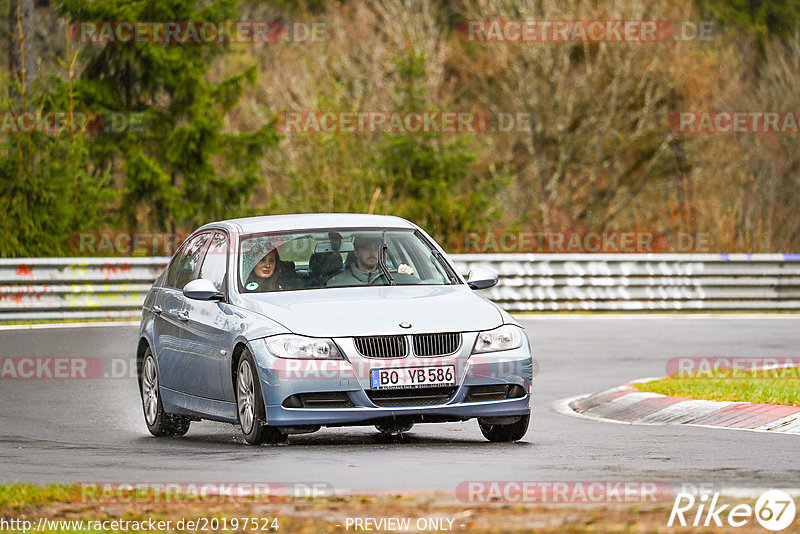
x=344 y=312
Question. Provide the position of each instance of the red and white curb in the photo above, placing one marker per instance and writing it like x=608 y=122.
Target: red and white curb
x=626 y=404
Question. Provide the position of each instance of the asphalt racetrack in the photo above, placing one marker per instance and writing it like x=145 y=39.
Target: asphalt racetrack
x=93 y=430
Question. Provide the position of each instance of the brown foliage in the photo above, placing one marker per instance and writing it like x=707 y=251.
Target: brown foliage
x=599 y=156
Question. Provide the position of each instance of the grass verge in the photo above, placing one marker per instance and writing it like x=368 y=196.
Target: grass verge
x=771 y=386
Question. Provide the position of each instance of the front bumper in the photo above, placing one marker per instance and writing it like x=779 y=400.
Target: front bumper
x=283 y=378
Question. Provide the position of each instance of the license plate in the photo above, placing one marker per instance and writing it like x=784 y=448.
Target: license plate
x=413 y=377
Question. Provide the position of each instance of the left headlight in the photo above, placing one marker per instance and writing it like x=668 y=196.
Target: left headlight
x=302 y=347
x=506 y=337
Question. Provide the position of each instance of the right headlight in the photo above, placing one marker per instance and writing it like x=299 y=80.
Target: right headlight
x=302 y=347
x=506 y=337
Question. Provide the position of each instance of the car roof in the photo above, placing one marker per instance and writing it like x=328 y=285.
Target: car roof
x=309 y=221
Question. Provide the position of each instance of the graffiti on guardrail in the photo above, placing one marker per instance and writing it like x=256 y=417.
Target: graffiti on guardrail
x=25 y=270
x=23 y=296
x=109 y=269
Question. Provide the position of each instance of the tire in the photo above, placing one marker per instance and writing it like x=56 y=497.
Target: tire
x=505 y=433
x=250 y=405
x=159 y=422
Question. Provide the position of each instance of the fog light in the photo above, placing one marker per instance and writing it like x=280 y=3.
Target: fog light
x=515 y=392
x=293 y=402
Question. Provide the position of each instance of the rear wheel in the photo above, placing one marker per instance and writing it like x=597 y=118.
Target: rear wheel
x=505 y=432
x=159 y=422
x=250 y=405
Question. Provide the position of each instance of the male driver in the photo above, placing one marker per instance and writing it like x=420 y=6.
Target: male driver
x=364 y=270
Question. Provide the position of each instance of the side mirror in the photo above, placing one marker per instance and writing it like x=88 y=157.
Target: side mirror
x=202 y=289
x=480 y=278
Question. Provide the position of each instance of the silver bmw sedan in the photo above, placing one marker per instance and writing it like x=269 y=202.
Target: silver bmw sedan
x=284 y=324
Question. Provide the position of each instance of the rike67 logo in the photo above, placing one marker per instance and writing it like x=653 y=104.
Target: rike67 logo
x=774 y=510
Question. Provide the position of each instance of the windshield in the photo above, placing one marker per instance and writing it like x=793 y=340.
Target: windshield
x=339 y=258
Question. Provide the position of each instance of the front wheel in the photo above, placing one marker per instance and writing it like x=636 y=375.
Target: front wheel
x=250 y=405
x=159 y=422
x=506 y=432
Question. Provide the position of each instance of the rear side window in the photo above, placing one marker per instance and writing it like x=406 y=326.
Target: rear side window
x=216 y=262
x=183 y=268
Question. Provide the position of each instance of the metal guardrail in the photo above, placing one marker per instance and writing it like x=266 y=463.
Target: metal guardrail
x=87 y=288
x=630 y=282
x=75 y=288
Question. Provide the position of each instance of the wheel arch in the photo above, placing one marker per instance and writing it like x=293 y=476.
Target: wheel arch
x=141 y=349
x=238 y=349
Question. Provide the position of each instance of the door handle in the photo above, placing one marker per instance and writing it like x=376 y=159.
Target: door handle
x=183 y=315
x=157 y=310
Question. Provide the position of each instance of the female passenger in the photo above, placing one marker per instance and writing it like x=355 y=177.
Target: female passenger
x=266 y=275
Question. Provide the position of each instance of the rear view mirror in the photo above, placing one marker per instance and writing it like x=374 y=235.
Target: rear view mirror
x=480 y=278
x=202 y=289
x=346 y=246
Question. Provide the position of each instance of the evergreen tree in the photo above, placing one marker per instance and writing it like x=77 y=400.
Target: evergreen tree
x=184 y=168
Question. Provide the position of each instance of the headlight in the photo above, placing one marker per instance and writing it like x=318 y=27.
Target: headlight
x=506 y=337
x=310 y=348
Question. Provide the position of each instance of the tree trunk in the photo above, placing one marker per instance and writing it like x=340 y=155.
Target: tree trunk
x=21 y=51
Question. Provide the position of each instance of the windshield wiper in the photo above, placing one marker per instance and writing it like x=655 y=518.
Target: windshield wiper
x=382 y=260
